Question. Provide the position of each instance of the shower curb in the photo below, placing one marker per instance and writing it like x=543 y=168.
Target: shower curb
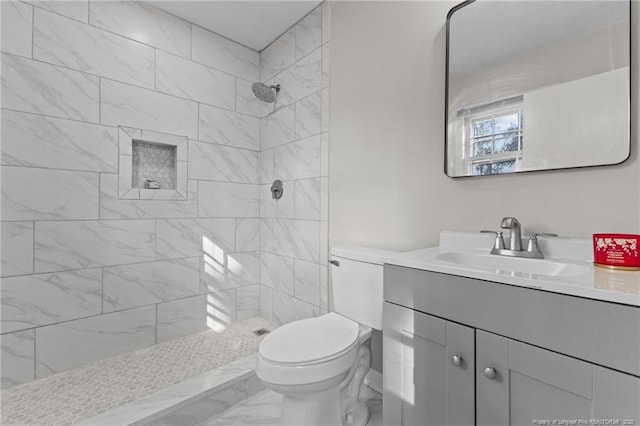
x=192 y=401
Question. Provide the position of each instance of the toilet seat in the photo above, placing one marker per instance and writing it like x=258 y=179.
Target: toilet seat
x=310 y=341
x=309 y=351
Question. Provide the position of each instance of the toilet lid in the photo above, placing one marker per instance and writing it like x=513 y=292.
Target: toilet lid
x=309 y=340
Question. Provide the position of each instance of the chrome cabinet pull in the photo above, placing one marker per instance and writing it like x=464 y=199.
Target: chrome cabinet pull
x=490 y=373
x=456 y=360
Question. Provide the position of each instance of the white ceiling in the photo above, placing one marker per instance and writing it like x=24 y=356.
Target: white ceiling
x=254 y=23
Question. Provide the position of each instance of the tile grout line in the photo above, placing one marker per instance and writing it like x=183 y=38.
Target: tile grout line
x=33 y=29
x=102 y=296
x=33 y=249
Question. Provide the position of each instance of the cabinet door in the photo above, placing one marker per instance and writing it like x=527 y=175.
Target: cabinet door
x=520 y=384
x=422 y=386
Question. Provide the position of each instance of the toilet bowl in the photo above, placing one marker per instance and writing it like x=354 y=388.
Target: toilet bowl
x=318 y=364
x=312 y=363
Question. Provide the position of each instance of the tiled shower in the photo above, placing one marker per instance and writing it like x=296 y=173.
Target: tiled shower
x=91 y=269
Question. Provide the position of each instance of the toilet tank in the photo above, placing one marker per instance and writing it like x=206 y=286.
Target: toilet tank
x=357 y=283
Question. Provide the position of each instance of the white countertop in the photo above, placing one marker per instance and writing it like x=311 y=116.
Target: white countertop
x=586 y=280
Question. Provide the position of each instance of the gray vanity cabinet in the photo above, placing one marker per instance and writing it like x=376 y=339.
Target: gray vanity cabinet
x=458 y=351
x=520 y=384
x=434 y=381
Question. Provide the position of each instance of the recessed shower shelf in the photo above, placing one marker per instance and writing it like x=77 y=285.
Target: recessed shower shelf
x=148 y=155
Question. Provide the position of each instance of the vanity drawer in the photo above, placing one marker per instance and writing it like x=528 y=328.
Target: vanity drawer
x=599 y=332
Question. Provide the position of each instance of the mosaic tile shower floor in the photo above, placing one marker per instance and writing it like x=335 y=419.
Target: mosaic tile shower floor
x=82 y=393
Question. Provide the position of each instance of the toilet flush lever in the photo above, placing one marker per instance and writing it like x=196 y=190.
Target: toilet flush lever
x=334 y=263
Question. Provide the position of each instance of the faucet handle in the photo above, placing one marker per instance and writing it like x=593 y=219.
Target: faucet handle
x=499 y=241
x=543 y=234
x=532 y=245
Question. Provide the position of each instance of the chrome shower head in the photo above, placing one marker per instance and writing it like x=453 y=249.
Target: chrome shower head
x=265 y=93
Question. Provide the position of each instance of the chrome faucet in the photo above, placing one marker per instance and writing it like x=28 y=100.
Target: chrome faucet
x=515 y=241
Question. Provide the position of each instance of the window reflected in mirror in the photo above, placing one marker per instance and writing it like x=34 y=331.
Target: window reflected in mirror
x=537 y=85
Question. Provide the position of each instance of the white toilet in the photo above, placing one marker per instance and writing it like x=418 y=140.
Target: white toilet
x=318 y=364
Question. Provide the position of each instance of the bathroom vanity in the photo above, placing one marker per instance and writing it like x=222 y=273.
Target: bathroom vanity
x=471 y=338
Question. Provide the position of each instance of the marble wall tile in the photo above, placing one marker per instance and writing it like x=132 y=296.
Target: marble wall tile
x=307 y=199
x=75 y=9
x=278 y=55
x=62 y=245
x=326 y=21
x=125 y=105
x=248 y=301
x=221 y=309
x=225 y=127
x=325 y=110
x=194 y=237
x=17 y=28
x=308 y=33
x=266 y=303
x=247 y=234
x=246 y=101
x=324 y=286
x=301 y=79
x=40 y=88
x=324 y=242
x=324 y=154
x=294 y=238
x=113 y=208
x=308 y=115
x=81 y=47
x=326 y=61
x=144 y=23
x=298 y=160
x=48 y=194
x=282 y=208
x=17 y=358
x=187 y=79
x=307 y=282
x=36 y=141
x=129 y=286
x=324 y=199
x=231 y=270
x=287 y=309
x=218 y=52
x=278 y=128
x=265 y=165
x=34 y=300
x=222 y=163
x=221 y=199
x=277 y=272
x=93 y=339
x=16 y=248
x=179 y=318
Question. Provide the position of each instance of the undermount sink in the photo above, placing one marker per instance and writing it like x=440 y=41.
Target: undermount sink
x=505 y=264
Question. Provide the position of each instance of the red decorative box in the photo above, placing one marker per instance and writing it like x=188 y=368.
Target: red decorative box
x=616 y=251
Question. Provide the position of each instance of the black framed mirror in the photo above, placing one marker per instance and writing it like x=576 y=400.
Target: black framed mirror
x=537 y=85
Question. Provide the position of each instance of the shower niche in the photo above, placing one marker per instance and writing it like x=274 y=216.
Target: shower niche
x=152 y=165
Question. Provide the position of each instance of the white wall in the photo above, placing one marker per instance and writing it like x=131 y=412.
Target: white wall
x=387 y=184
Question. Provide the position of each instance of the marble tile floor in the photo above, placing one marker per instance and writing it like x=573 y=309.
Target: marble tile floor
x=264 y=410
x=82 y=393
